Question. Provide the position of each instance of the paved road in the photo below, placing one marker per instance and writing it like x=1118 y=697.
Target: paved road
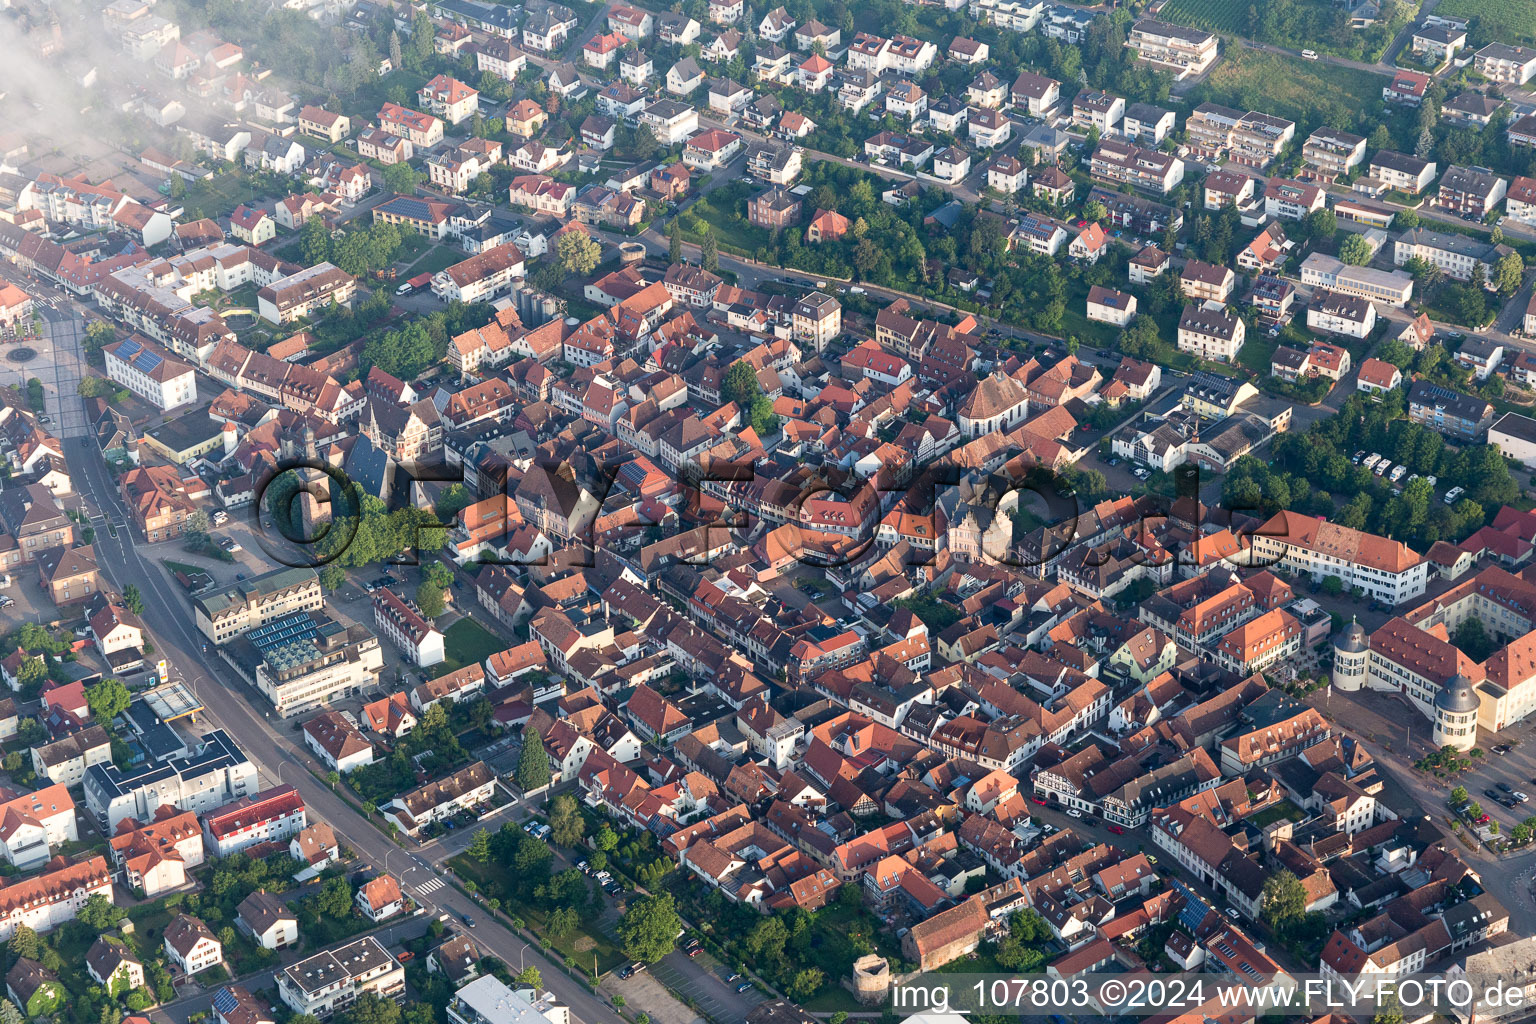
x=273 y=751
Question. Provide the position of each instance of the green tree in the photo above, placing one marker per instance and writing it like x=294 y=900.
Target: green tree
x=1094 y=211
x=24 y=943
x=530 y=977
x=740 y=384
x=578 y=252
x=565 y=821
x=132 y=599
x=401 y=179
x=649 y=928
x=533 y=771
x=607 y=839
x=396 y=58
x=430 y=599
x=563 y=921
x=454 y=499
x=1508 y=272
x=675 y=242
x=1283 y=900
x=1459 y=795
x=1323 y=223
x=1355 y=251
x=709 y=251
x=107 y=699
x=480 y=846
x=333 y=577
x=314 y=242
x=1472 y=639
x=805 y=984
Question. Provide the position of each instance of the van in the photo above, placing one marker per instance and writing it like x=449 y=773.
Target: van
x=1371 y=460
x=1382 y=467
x=1309 y=54
x=1453 y=495
x=1397 y=474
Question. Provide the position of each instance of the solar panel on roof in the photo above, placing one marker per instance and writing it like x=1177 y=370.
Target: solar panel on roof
x=147 y=362
x=224 y=1001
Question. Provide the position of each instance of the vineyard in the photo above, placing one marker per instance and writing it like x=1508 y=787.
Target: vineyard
x=1507 y=21
x=1230 y=16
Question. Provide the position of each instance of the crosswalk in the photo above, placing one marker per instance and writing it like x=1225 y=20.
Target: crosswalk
x=430 y=886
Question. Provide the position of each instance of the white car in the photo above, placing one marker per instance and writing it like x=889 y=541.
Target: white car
x=1519 y=796
x=1075 y=813
x=1452 y=495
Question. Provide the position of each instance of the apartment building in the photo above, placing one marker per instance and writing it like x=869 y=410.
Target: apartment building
x=155 y=858
x=481 y=277
x=1506 y=65
x=273 y=815
x=1401 y=171
x=43 y=902
x=1183 y=51
x=1470 y=190
x=1520 y=201
x=422 y=131
x=304 y=293
x=216 y=774
x=1388 y=570
x=402 y=623
x=331 y=981
x=468 y=787
x=1210 y=334
x=1292 y=200
x=1332 y=153
x=1101 y=110
x=36 y=826
x=1337 y=313
x=487 y=1001
x=1206 y=282
x=1457 y=255
x=151 y=372
x=1457 y=416
x=1124 y=163
x=224 y=614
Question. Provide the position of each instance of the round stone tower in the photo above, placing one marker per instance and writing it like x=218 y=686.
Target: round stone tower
x=1456 y=714
x=1350 y=653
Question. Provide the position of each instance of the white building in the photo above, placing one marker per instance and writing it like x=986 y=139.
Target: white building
x=487 y=1001
x=152 y=373
x=331 y=981
x=402 y=622
x=1211 y=334
x=218 y=773
x=35 y=824
x=1387 y=570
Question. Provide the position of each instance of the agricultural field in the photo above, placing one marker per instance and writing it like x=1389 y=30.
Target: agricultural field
x=1307 y=92
x=1505 y=21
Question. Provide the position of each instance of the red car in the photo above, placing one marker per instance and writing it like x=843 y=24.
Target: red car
x=1481 y=821
x=696 y=950
x=1116 y=829
x=1038 y=800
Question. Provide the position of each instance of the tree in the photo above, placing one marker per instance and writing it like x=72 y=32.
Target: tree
x=401 y=179
x=1322 y=223
x=1284 y=899
x=396 y=59
x=371 y=1009
x=578 y=252
x=740 y=384
x=314 y=241
x=1425 y=145
x=24 y=943
x=1390 y=1011
x=675 y=242
x=1472 y=639
x=709 y=251
x=1094 y=211
x=333 y=577
x=607 y=840
x=132 y=599
x=430 y=599
x=805 y=984
x=566 y=825
x=533 y=771
x=480 y=846
x=99 y=913
x=1408 y=219
x=531 y=977
x=649 y=928
x=1508 y=272
x=107 y=699
x=563 y=922
x=1355 y=251
x=1459 y=795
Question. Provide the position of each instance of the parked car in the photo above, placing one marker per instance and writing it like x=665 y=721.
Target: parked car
x=1074 y=813
x=1454 y=495
x=1117 y=829
x=1520 y=797
x=745 y=986
x=1505 y=787
x=468 y=920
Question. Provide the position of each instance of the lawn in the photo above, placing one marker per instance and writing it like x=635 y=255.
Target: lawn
x=1301 y=90
x=1074 y=321
x=1508 y=21
x=1282 y=811
x=440 y=258
x=466 y=642
x=1312 y=22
